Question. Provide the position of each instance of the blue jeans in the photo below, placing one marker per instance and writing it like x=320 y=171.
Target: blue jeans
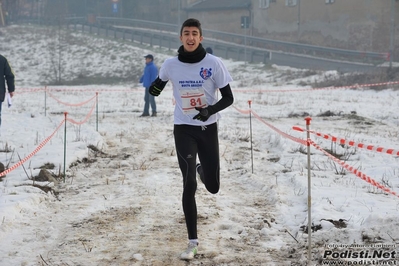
x=149 y=100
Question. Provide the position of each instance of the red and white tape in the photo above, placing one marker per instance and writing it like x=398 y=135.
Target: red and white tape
x=350 y=142
x=355 y=171
x=325 y=88
x=301 y=141
x=71 y=104
x=41 y=145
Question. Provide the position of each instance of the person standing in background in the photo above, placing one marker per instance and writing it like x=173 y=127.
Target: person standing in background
x=6 y=75
x=150 y=74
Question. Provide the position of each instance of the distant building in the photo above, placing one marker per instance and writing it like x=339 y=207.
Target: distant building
x=355 y=24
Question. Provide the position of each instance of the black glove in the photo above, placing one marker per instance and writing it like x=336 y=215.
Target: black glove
x=157 y=86
x=204 y=113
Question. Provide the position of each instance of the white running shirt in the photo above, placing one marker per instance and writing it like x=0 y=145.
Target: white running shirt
x=195 y=85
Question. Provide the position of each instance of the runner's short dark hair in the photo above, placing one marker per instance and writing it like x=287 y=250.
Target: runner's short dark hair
x=191 y=22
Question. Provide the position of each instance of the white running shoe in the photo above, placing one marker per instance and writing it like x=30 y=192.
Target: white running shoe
x=190 y=252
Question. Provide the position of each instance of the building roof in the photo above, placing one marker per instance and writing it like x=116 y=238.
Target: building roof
x=213 y=5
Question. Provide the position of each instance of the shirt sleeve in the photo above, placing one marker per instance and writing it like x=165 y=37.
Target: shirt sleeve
x=163 y=71
x=222 y=76
x=9 y=74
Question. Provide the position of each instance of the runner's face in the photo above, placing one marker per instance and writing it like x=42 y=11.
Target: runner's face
x=190 y=38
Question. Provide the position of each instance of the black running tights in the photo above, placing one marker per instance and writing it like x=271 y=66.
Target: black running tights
x=190 y=141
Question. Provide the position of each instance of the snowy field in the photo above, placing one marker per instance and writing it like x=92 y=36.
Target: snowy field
x=120 y=201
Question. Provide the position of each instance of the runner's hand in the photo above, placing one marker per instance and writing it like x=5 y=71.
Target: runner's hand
x=204 y=113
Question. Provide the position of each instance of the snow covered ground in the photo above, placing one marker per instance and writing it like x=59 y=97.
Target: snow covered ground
x=120 y=203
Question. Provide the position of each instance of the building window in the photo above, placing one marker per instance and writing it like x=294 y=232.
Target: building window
x=264 y=3
x=291 y=2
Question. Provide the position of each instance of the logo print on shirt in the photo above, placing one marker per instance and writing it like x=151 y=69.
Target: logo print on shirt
x=205 y=73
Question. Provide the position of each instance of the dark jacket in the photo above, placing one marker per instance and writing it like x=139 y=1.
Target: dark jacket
x=150 y=74
x=6 y=74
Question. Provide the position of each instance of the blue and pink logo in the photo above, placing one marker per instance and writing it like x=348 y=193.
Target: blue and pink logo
x=205 y=73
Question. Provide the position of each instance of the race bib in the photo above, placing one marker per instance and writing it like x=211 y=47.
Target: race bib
x=191 y=99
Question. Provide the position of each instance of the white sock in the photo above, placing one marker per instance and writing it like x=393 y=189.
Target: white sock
x=193 y=241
